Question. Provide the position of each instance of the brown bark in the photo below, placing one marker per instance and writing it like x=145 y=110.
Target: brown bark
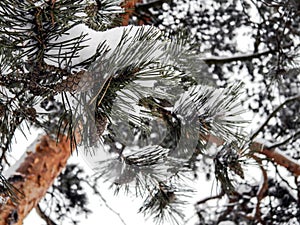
x=277 y=157
x=129 y=6
x=39 y=169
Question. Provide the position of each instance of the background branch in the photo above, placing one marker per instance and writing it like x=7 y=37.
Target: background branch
x=223 y=60
x=294 y=98
x=44 y=216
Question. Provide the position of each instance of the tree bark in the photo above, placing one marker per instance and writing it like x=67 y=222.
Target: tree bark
x=35 y=175
x=129 y=6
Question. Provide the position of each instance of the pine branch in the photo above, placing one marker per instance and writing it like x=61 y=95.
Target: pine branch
x=40 y=167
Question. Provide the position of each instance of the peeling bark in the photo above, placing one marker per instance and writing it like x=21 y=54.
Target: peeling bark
x=38 y=171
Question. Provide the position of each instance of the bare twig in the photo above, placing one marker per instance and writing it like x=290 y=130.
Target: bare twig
x=95 y=189
x=262 y=190
x=222 y=60
x=42 y=214
x=276 y=145
x=291 y=99
x=147 y=5
x=222 y=193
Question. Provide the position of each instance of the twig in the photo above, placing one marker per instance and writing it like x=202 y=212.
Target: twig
x=283 y=179
x=277 y=157
x=222 y=60
x=297 y=97
x=42 y=214
x=260 y=148
x=154 y=3
x=262 y=190
x=285 y=141
x=95 y=189
x=210 y=198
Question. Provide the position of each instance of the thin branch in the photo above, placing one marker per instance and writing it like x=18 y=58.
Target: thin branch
x=42 y=214
x=285 y=141
x=260 y=148
x=291 y=99
x=95 y=189
x=223 y=60
x=262 y=190
x=283 y=179
x=147 y=5
x=277 y=157
x=222 y=193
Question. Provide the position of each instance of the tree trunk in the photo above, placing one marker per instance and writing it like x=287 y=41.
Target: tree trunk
x=34 y=176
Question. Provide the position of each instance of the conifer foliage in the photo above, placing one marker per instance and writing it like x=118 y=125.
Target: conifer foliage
x=140 y=104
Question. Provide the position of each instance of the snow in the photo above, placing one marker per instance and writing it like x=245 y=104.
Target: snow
x=94 y=38
x=227 y=222
x=111 y=38
x=19 y=148
x=262 y=141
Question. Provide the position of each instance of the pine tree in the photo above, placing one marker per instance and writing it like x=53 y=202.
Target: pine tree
x=142 y=97
x=244 y=40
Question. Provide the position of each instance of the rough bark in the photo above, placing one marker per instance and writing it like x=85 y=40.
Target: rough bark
x=35 y=175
